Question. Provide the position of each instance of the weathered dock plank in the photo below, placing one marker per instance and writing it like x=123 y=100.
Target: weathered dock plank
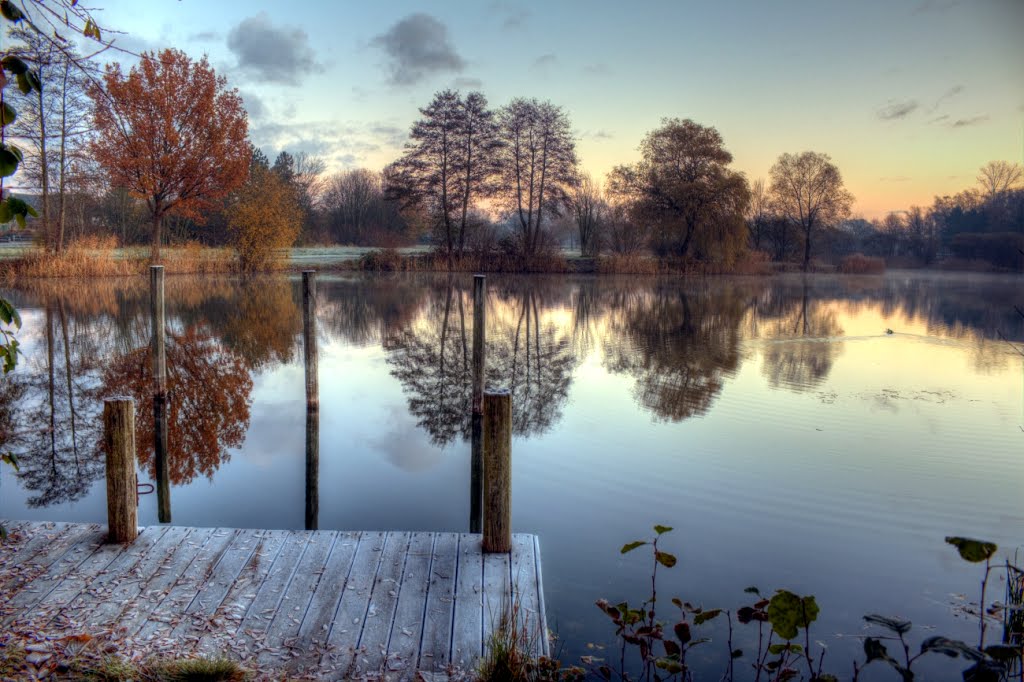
x=320 y=604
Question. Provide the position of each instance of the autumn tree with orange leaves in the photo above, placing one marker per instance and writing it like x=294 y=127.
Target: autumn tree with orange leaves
x=172 y=133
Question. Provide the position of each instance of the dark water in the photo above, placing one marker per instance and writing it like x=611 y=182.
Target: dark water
x=789 y=439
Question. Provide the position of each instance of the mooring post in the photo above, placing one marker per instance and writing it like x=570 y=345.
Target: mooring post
x=476 y=420
x=312 y=399
x=497 y=446
x=122 y=491
x=158 y=351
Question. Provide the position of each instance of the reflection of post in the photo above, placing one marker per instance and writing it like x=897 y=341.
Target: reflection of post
x=476 y=435
x=497 y=443
x=119 y=446
x=156 y=308
x=312 y=399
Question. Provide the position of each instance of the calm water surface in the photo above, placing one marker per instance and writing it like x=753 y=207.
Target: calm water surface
x=789 y=439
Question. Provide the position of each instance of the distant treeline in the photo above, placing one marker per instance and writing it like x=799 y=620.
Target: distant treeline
x=480 y=181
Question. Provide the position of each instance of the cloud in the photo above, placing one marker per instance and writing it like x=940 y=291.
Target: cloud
x=544 y=62
x=462 y=83
x=418 y=46
x=952 y=92
x=272 y=53
x=895 y=110
x=341 y=144
x=940 y=119
x=206 y=37
x=599 y=69
x=964 y=122
x=511 y=16
x=254 y=105
x=601 y=134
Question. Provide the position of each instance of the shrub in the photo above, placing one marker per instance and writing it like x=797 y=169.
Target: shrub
x=859 y=264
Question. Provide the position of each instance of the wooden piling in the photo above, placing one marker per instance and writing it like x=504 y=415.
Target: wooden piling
x=119 y=447
x=312 y=400
x=479 y=322
x=497 y=446
x=476 y=420
x=159 y=357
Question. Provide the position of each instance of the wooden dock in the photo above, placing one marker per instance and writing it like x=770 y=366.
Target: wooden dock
x=302 y=604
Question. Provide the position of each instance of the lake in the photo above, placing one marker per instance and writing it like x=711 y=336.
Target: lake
x=821 y=435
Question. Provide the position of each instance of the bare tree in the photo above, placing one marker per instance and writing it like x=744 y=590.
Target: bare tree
x=808 y=190
x=355 y=209
x=758 y=213
x=996 y=177
x=588 y=210
x=538 y=165
x=448 y=164
x=54 y=124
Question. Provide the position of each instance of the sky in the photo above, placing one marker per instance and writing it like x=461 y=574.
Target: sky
x=909 y=98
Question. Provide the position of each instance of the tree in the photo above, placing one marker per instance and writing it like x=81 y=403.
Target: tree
x=808 y=191
x=261 y=218
x=447 y=165
x=588 y=211
x=682 y=185
x=54 y=126
x=171 y=133
x=355 y=209
x=996 y=177
x=537 y=163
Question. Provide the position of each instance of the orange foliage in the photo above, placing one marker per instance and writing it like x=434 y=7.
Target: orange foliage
x=263 y=218
x=171 y=133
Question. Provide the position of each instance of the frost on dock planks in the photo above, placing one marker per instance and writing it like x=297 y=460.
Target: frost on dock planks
x=324 y=604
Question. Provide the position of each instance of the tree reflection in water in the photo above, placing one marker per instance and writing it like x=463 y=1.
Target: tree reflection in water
x=679 y=345
x=209 y=392
x=530 y=355
x=800 y=333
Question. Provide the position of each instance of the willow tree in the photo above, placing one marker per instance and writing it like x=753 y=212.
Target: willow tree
x=172 y=133
x=807 y=189
x=684 y=188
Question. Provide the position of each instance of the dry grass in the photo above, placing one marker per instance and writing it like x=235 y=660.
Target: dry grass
x=859 y=264
x=100 y=257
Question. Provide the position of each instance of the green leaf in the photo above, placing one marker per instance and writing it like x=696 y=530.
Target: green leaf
x=8 y=163
x=14 y=64
x=630 y=546
x=672 y=648
x=11 y=11
x=11 y=459
x=706 y=616
x=670 y=666
x=753 y=590
x=788 y=613
x=23 y=83
x=972 y=550
x=5 y=212
x=875 y=650
x=1003 y=652
x=7 y=115
x=662 y=529
x=776 y=649
x=951 y=648
x=33 y=81
x=20 y=217
x=900 y=627
x=677 y=602
x=32 y=212
x=682 y=630
x=665 y=559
